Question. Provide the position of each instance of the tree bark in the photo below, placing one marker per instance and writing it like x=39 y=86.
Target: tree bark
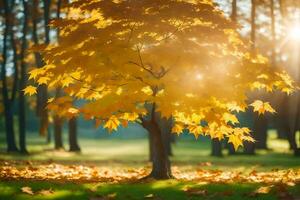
x=9 y=128
x=22 y=84
x=166 y=130
x=73 y=135
x=260 y=132
x=42 y=94
x=150 y=138
x=234 y=11
x=273 y=28
x=249 y=147
x=253 y=25
x=216 y=148
x=161 y=166
x=8 y=102
x=58 y=141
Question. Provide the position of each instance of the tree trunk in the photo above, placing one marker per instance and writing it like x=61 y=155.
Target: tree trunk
x=260 y=132
x=253 y=24
x=161 y=166
x=9 y=128
x=234 y=11
x=166 y=130
x=216 y=148
x=249 y=147
x=73 y=135
x=48 y=136
x=22 y=84
x=231 y=150
x=42 y=93
x=7 y=101
x=229 y=146
x=58 y=141
x=150 y=136
x=273 y=28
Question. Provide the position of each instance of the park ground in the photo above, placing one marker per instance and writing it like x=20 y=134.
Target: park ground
x=112 y=168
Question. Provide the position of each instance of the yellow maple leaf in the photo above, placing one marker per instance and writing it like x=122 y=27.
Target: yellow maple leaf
x=130 y=116
x=262 y=107
x=73 y=110
x=235 y=140
x=287 y=90
x=195 y=130
x=67 y=81
x=34 y=73
x=112 y=123
x=228 y=117
x=147 y=90
x=50 y=100
x=43 y=80
x=31 y=90
x=233 y=106
x=177 y=128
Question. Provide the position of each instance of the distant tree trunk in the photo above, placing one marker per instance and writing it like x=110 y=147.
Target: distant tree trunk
x=58 y=140
x=234 y=11
x=73 y=135
x=58 y=121
x=161 y=168
x=249 y=147
x=273 y=55
x=9 y=128
x=42 y=96
x=260 y=132
x=253 y=25
x=216 y=148
x=49 y=136
x=22 y=84
x=231 y=150
x=7 y=101
x=291 y=136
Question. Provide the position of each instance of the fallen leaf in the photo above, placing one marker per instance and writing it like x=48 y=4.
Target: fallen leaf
x=264 y=189
x=205 y=164
x=46 y=192
x=148 y=196
x=195 y=191
x=27 y=190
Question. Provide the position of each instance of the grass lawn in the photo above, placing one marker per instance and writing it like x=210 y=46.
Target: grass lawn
x=189 y=156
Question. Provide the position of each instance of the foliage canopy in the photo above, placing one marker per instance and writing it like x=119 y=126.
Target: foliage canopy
x=182 y=56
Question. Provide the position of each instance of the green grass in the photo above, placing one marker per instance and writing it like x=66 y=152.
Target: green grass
x=134 y=153
x=167 y=190
x=189 y=155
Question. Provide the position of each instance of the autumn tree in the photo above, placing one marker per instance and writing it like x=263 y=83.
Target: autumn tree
x=22 y=81
x=9 y=82
x=134 y=60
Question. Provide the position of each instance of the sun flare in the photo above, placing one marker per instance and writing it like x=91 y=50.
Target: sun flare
x=295 y=33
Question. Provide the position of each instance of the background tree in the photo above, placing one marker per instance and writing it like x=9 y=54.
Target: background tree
x=9 y=93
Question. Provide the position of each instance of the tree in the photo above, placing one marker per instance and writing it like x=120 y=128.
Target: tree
x=7 y=93
x=73 y=135
x=182 y=59
x=216 y=144
x=22 y=82
x=249 y=146
x=58 y=121
x=42 y=93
